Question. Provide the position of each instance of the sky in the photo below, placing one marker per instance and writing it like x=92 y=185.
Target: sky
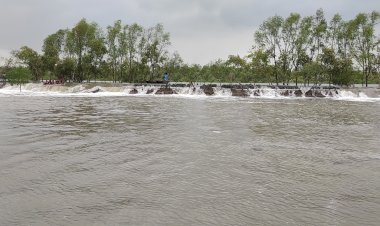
x=201 y=31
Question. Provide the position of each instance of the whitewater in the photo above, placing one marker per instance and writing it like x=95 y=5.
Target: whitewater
x=186 y=91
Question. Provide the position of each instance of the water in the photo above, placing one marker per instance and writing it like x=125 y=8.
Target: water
x=160 y=160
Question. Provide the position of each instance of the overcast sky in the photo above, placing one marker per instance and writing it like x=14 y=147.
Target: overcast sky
x=201 y=30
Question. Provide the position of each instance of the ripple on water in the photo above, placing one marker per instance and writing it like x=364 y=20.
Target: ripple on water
x=182 y=161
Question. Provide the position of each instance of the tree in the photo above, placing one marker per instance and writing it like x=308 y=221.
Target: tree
x=268 y=38
x=286 y=50
x=365 y=43
x=319 y=29
x=52 y=48
x=113 y=48
x=19 y=75
x=8 y=64
x=173 y=65
x=301 y=46
x=312 y=71
x=78 y=41
x=95 y=55
x=133 y=37
x=344 y=73
x=122 y=52
x=238 y=67
x=334 y=32
x=329 y=62
x=66 y=68
x=156 y=41
x=377 y=63
x=290 y=37
x=32 y=59
x=260 y=65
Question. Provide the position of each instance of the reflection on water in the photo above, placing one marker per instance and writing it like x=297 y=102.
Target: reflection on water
x=178 y=161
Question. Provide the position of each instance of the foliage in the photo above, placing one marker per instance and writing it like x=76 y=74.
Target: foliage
x=365 y=42
x=32 y=59
x=19 y=75
x=290 y=49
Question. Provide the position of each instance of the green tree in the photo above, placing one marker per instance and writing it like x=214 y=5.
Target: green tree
x=32 y=59
x=319 y=29
x=52 y=48
x=19 y=75
x=377 y=63
x=259 y=64
x=312 y=71
x=365 y=43
x=290 y=36
x=78 y=41
x=329 y=62
x=334 y=32
x=173 y=65
x=302 y=46
x=95 y=55
x=155 y=49
x=66 y=68
x=8 y=63
x=344 y=73
x=268 y=38
x=113 y=32
x=239 y=68
x=133 y=37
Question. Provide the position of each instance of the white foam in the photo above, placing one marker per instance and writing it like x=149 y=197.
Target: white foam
x=80 y=90
x=351 y=96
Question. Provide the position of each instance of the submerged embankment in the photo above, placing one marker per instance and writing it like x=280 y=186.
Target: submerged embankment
x=193 y=90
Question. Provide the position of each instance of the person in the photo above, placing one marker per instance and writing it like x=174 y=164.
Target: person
x=166 y=78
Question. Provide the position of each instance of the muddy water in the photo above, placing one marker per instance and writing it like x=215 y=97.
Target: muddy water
x=188 y=161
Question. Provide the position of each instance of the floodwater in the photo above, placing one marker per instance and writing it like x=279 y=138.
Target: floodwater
x=188 y=161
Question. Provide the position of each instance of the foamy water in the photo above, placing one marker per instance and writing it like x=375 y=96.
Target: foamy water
x=32 y=89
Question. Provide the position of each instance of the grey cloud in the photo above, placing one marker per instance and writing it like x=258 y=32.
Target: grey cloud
x=165 y=6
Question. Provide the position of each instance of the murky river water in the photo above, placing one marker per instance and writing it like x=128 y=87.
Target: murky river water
x=183 y=161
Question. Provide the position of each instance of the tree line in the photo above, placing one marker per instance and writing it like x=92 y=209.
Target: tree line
x=293 y=49
x=86 y=52
x=317 y=50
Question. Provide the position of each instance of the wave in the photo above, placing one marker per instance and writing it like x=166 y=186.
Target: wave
x=184 y=90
